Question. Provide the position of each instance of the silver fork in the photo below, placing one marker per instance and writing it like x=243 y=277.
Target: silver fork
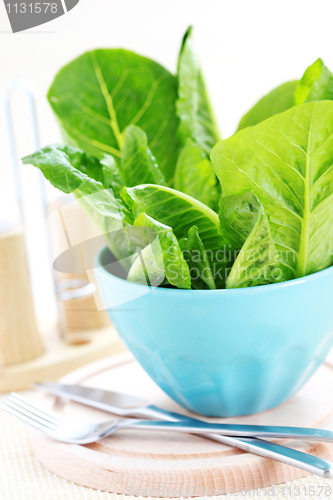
x=70 y=431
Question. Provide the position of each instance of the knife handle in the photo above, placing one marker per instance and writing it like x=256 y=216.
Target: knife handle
x=261 y=447
x=240 y=430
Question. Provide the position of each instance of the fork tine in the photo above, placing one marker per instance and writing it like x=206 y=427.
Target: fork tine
x=48 y=415
x=18 y=414
x=34 y=415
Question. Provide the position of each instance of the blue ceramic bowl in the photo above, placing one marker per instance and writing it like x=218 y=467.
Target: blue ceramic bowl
x=224 y=352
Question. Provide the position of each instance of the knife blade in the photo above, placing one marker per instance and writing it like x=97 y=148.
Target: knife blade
x=113 y=402
x=239 y=436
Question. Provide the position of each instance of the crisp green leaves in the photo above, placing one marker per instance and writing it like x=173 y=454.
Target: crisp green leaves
x=100 y=93
x=198 y=130
x=112 y=175
x=196 y=117
x=64 y=165
x=110 y=214
x=275 y=201
x=138 y=163
x=198 y=261
x=287 y=162
x=68 y=168
x=238 y=215
x=315 y=85
x=276 y=101
x=73 y=171
x=162 y=257
x=247 y=233
x=258 y=260
x=148 y=267
x=174 y=209
x=181 y=212
x=195 y=175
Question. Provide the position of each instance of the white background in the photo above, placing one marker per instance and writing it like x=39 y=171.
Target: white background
x=246 y=48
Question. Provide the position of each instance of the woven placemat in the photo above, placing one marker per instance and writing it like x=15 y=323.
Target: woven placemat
x=22 y=477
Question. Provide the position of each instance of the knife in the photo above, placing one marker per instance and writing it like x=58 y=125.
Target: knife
x=238 y=436
x=126 y=405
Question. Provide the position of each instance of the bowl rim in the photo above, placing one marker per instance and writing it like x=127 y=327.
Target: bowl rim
x=310 y=278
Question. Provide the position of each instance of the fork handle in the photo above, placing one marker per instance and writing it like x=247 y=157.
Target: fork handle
x=266 y=449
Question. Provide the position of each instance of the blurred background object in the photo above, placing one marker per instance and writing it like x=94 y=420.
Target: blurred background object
x=81 y=314
x=76 y=322
x=19 y=337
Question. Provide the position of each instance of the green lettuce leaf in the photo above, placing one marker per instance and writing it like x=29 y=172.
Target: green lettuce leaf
x=174 y=209
x=71 y=170
x=58 y=160
x=195 y=175
x=79 y=159
x=148 y=267
x=198 y=262
x=278 y=100
x=196 y=117
x=246 y=231
x=315 y=85
x=138 y=163
x=100 y=93
x=238 y=215
x=287 y=162
x=112 y=176
x=258 y=261
x=109 y=212
x=180 y=212
x=68 y=168
x=161 y=257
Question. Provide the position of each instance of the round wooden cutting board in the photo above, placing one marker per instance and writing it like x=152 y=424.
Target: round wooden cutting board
x=160 y=464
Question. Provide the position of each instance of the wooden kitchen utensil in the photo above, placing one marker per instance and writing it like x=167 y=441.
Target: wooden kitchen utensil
x=22 y=360
x=172 y=465
x=19 y=337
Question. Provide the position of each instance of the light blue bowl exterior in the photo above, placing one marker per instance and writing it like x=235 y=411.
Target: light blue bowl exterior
x=225 y=352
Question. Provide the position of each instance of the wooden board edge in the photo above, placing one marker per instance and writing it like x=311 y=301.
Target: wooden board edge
x=70 y=461
x=60 y=359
